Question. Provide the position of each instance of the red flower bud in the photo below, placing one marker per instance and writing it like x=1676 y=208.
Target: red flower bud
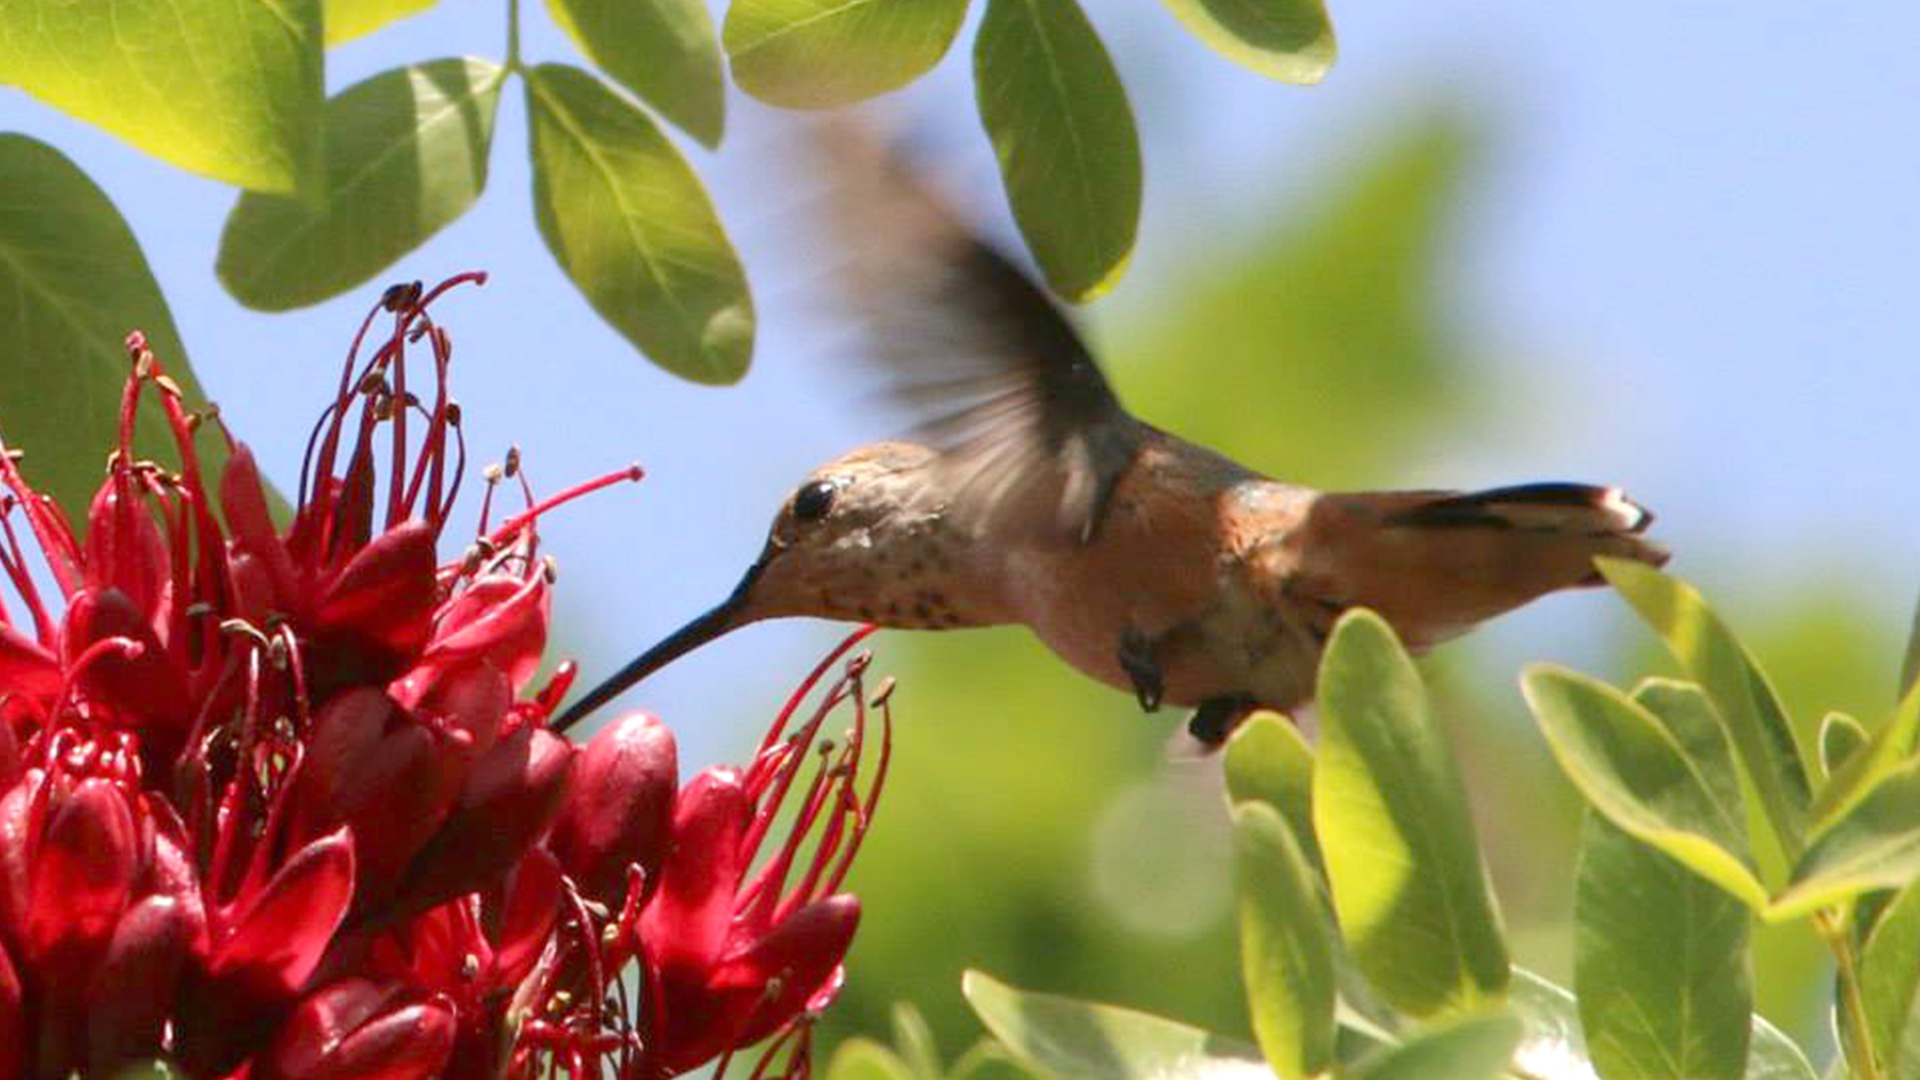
x=135 y=985
x=244 y=500
x=83 y=875
x=140 y=683
x=124 y=548
x=619 y=808
x=360 y=1030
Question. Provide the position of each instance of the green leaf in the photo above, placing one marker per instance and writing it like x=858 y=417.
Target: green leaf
x=914 y=1039
x=1289 y=40
x=1660 y=963
x=1634 y=771
x=349 y=19
x=864 y=1059
x=1286 y=945
x=630 y=224
x=1876 y=845
x=1773 y=1056
x=1910 y=662
x=1058 y=117
x=1552 y=1044
x=988 y=1060
x=226 y=88
x=1079 y=1040
x=815 y=54
x=1267 y=760
x=64 y=322
x=1885 y=751
x=1754 y=718
x=1890 y=986
x=1840 y=737
x=1472 y=1047
x=406 y=153
x=662 y=50
x=1392 y=818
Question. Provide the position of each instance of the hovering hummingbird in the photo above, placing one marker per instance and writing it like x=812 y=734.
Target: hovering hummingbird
x=1148 y=562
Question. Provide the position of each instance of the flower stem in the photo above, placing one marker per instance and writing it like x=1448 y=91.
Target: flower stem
x=1862 y=1063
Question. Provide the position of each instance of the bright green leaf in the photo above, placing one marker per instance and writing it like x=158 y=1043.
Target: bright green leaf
x=630 y=224
x=1079 y=1040
x=1910 y=662
x=406 y=154
x=226 y=88
x=1755 y=720
x=814 y=54
x=349 y=19
x=662 y=50
x=1267 y=760
x=1890 y=985
x=1472 y=1047
x=64 y=322
x=1840 y=736
x=1063 y=132
x=1289 y=40
x=1660 y=963
x=1885 y=751
x=988 y=1060
x=914 y=1041
x=1876 y=845
x=1392 y=818
x=1773 y=1056
x=1286 y=944
x=1633 y=770
x=1552 y=1044
x=864 y=1059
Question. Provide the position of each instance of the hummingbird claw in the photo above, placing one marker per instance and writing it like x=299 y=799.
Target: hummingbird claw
x=1137 y=660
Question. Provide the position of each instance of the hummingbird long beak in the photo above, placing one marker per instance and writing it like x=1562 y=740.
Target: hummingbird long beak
x=729 y=614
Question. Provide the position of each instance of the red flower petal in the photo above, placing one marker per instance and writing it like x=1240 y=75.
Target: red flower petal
x=685 y=925
x=83 y=875
x=26 y=667
x=385 y=595
x=243 y=498
x=619 y=807
x=146 y=688
x=13 y=1028
x=359 y=1030
x=276 y=943
x=533 y=903
x=502 y=617
x=16 y=850
x=134 y=987
x=124 y=548
x=802 y=953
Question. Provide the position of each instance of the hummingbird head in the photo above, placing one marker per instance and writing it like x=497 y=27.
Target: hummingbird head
x=864 y=538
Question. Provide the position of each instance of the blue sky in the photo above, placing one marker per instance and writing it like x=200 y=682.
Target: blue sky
x=1690 y=258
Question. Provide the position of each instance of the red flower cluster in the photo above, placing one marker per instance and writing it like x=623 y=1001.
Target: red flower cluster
x=283 y=804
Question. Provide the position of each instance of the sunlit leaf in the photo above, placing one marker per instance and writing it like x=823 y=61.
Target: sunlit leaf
x=1471 y=1047
x=1079 y=1040
x=1286 y=944
x=1910 y=660
x=1267 y=760
x=349 y=19
x=1552 y=1046
x=812 y=54
x=1890 y=985
x=1754 y=718
x=1392 y=818
x=1840 y=736
x=1773 y=1056
x=1884 y=751
x=226 y=88
x=64 y=322
x=1289 y=40
x=988 y=1060
x=662 y=50
x=1660 y=962
x=864 y=1059
x=630 y=224
x=1633 y=770
x=1875 y=845
x=406 y=153
x=914 y=1041
x=1063 y=132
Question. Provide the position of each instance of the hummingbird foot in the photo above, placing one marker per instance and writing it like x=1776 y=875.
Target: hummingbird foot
x=1143 y=670
x=1216 y=718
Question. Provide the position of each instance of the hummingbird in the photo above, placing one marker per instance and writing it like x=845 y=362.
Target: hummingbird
x=1030 y=495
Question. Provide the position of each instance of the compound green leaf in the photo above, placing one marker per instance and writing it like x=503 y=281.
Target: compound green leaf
x=349 y=19
x=1289 y=40
x=1633 y=770
x=1388 y=805
x=1471 y=1047
x=64 y=321
x=662 y=50
x=1875 y=845
x=1268 y=760
x=1063 y=132
x=814 y=54
x=1079 y=1040
x=630 y=224
x=1286 y=945
x=1660 y=963
x=226 y=88
x=1755 y=720
x=406 y=153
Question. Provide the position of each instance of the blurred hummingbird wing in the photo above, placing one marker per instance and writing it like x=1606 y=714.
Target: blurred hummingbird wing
x=1007 y=390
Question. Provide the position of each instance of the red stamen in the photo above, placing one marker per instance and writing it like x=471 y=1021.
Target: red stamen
x=630 y=474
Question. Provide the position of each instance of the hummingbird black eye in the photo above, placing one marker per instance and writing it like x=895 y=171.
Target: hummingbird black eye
x=813 y=500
